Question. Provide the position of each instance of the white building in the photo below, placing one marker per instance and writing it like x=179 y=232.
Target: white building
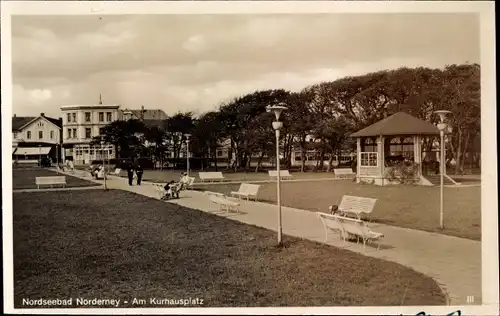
x=80 y=123
x=33 y=137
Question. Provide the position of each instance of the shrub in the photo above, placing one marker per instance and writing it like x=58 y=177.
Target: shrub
x=403 y=173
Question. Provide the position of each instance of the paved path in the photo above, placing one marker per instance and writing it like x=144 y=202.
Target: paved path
x=455 y=263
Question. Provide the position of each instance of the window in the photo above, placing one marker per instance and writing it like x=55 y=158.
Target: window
x=28 y=134
x=69 y=133
x=108 y=116
x=369 y=159
x=219 y=153
x=88 y=133
x=74 y=133
x=74 y=117
x=87 y=116
x=101 y=116
x=51 y=134
x=101 y=131
x=40 y=134
x=68 y=116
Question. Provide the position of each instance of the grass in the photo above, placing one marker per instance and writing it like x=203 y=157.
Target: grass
x=414 y=207
x=117 y=244
x=25 y=179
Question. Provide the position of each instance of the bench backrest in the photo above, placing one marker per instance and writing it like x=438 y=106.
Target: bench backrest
x=283 y=173
x=343 y=171
x=330 y=221
x=357 y=204
x=354 y=226
x=210 y=175
x=250 y=189
x=50 y=180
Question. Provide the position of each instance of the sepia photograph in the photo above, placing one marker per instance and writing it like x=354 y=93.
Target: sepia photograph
x=194 y=158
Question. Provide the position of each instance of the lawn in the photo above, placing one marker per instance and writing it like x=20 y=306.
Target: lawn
x=117 y=244
x=25 y=179
x=414 y=207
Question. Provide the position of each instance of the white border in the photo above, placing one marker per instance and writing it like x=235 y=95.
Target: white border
x=490 y=273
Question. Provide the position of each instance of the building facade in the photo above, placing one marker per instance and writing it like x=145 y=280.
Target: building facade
x=80 y=123
x=33 y=137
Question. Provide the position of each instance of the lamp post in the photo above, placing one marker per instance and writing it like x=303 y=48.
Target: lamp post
x=187 y=152
x=40 y=155
x=103 y=166
x=277 y=125
x=442 y=127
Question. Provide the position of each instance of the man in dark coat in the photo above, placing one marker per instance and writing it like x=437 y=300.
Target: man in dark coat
x=139 y=171
x=130 y=173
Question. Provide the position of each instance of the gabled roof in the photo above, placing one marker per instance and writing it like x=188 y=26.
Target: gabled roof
x=400 y=123
x=20 y=121
x=57 y=122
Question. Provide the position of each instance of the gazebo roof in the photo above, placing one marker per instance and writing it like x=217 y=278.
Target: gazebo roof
x=400 y=123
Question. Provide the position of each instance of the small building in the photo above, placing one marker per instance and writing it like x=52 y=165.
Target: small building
x=34 y=137
x=395 y=138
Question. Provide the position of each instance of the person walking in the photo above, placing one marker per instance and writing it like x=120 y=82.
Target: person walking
x=130 y=173
x=139 y=171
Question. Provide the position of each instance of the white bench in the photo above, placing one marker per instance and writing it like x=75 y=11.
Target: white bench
x=55 y=180
x=355 y=205
x=344 y=173
x=283 y=173
x=223 y=202
x=247 y=190
x=210 y=176
x=349 y=228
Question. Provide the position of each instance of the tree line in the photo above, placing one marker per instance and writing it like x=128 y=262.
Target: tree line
x=328 y=112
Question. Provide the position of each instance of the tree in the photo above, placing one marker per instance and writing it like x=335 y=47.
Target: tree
x=157 y=141
x=176 y=127
x=126 y=136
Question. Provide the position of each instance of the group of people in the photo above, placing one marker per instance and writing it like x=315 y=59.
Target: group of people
x=137 y=170
x=172 y=188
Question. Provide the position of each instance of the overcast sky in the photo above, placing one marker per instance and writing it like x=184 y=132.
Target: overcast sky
x=195 y=62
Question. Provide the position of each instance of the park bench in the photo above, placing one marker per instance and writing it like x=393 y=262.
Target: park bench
x=210 y=176
x=355 y=205
x=247 y=190
x=54 y=180
x=349 y=228
x=283 y=173
x=223 y=202
x=344 y=173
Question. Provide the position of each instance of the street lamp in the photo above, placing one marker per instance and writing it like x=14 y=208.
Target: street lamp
x=442 y=126
x=187 y=152
x=40 y=154
x=103 y=166
x=277 y=125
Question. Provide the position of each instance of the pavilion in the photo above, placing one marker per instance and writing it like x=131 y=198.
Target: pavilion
x=397 y=136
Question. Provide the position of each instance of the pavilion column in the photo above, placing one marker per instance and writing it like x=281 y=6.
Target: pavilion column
x=381 y=158
x=417 y=152
x=358 y=160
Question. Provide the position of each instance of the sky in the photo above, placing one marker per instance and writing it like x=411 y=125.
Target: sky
x=196 y=62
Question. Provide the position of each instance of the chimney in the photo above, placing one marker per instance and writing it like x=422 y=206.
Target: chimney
x=42 y=114
x=142 y=112
x=14 y=114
